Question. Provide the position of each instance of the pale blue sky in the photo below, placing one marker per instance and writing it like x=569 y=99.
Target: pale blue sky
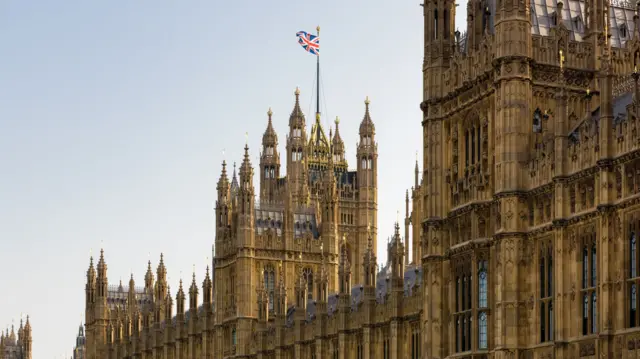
x=114 y=116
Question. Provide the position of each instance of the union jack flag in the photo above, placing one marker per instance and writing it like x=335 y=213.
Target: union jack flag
x=309 y=42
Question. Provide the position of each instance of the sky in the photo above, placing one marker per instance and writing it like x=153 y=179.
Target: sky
x=115 y=117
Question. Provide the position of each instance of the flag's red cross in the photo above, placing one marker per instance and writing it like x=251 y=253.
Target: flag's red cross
x=309 y=42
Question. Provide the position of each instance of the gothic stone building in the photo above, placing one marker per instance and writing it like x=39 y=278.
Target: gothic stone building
x=294 y=272
x=18 y=346
x=527 y=213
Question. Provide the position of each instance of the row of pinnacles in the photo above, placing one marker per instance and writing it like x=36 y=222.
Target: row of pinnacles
x=126 y=323
x=16 y=347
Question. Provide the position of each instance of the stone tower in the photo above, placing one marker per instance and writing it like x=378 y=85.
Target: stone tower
x=367 y=154
x=269 y=162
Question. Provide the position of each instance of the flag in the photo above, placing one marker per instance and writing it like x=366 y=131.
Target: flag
x=309 y=42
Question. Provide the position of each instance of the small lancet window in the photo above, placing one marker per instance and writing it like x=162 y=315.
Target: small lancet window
x=623 y=31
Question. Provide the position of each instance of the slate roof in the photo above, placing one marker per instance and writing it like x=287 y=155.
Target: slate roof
x=543 y=13
x=412 y=276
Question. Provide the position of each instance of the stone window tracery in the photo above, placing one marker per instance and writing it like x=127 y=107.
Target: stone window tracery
x=545 y=279
x=633 y=280
x=589 y=262
x=463 y=308
x=307 y=274
x=415 y=342
x=483 y=303
x=270 y=283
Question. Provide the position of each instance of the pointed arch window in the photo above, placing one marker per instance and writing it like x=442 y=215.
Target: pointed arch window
x=435 y=24
x=464 y=310
x=482 y=331
x=233 y=337
x=633 y=279
x=483 y=303
x=545 y=278
x=308 y=277
x=589 y=284
x=270 y=283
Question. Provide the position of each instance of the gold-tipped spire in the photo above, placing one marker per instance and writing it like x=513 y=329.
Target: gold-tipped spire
x=297 y=91
x=269 y=113
x=246 y=138
x=318 y=28
x=561 y=60
x=318 y=116
x=366 y=101
x=337 y=121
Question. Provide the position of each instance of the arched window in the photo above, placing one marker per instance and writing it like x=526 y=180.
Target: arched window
x=233 y=337
x=594 y=312
x=545 y=279
x=435 y=24
x=589 y=283
x=633 y=305
x=482 y=285
x=269 y=283
x=633 y=268
x=482 y=331
x=308 y=277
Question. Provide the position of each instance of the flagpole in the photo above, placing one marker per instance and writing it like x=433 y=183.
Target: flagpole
x=318 y=79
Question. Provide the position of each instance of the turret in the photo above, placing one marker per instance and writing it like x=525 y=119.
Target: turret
x=90 y=288
x=207 y=287
x=193 y=295
x=148 y=279
x=367 y=172
x=132 y=303
x=479 y=22
x=102 y=280
x=161 y=285
x=344 y=271
x=223 y=202
x=369 y=263
x=396 y=257
x=337 y=145
x=296 y=141
x=168 y=305
x=269 y=162
x=27 y=339
x=180 y=298
x=439 y=41
x=246 y=203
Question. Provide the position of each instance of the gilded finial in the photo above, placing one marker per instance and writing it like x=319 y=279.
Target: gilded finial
x=280 y=264
x=366 y=101
x=368 y=226
x=337 y=121
x=318 y=28
x=246 y=138
x=635 y=69
x=300 y=255
x=318 y=116
x=269 y=113
x=561 y=60
x=297 y=91
x=588 y=92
